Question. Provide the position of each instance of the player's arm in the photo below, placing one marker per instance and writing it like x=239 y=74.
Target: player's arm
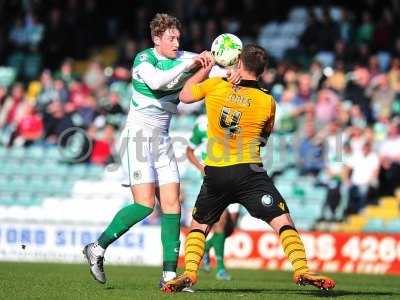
x=231 y=74
x=156 y=78
x=193 y=159
x=269 y=126
x=193 y=91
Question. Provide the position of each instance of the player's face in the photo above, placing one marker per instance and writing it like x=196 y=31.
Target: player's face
x=168 y=43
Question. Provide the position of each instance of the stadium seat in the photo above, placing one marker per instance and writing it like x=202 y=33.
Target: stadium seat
x=35 y=153
x=7 y=76
x=52 y=153
x=3 y=153
x=269 y=30
x=374 y=225
x=95 y=172
x=298 y=13
x=7 y=198
x=393 y=226
x=17 y=153
x=354 y=223
x=78 y=171
x=336 y=13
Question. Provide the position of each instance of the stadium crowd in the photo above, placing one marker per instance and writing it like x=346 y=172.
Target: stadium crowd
x=338 y=91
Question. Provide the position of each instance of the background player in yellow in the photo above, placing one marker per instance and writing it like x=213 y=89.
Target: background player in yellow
x=238 y=117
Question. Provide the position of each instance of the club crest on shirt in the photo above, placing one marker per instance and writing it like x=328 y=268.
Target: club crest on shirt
x=267 y=200
x=143 y=57
x=137 y=175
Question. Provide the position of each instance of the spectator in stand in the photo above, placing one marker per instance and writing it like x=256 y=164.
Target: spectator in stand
x=65 y=73
x=61 y=90
x=326 y=106
x=3 y=95
x=356 y=117
x=304 y=90
x=56 y=120
x=334 y=173
x=382 y=96
x=286 y=113
x=394 y=75
x=112 y=111
x=373 y=67
x=47 y=92
x=337 y=81
x=363 y=181
x=365 y=31
x=357 y=139
x=77 y=92
x=102 y=148
x=346 y=27
x=29 y=126
x=10 y=111
x=87 y=111
x=316 y=75
x=389 y=175
x=94 y=77
x=356 y=91
x=310 y=160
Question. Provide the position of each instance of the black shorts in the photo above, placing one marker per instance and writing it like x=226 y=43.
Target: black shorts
x=247 y=184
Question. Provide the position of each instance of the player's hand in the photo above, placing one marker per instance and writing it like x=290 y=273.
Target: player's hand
x=203 y=60
x=201 y=169
x=233 y=76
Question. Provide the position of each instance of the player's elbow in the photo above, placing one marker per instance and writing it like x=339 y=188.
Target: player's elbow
x=185 y=96
x=189 y=151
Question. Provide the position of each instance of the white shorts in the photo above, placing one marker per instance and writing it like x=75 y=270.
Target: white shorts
x=147 y=159
x=234 y=208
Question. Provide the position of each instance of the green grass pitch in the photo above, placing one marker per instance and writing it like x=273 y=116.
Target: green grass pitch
x=67 y=281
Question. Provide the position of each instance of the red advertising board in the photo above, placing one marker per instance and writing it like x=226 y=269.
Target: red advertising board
x=373 y=253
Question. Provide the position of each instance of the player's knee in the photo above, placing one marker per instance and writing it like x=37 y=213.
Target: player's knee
x=218 y=227
x=170 y=205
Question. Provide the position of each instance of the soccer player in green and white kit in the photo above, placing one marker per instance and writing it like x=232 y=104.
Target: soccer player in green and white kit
x=196 y=153
x=147 y=155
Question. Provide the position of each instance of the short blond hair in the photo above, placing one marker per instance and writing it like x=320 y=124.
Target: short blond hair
x=163 y=22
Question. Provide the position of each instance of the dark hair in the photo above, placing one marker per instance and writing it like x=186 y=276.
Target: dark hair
x=254 y=59
x=163 y=22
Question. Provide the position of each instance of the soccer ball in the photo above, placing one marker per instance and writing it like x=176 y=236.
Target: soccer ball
x=226 y=49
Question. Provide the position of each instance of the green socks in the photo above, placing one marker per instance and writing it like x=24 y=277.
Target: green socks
x=219 y=245
x=218 y=242
x=170 y=231
x=209 y=244
x=134 y=213
x=123 y=220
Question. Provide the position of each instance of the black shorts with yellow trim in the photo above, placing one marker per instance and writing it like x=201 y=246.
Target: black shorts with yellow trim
x=246 y=184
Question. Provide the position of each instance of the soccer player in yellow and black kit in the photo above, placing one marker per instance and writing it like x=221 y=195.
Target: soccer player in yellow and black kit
x=240 y=118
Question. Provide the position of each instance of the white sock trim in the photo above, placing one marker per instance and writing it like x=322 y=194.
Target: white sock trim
x=168 y=275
